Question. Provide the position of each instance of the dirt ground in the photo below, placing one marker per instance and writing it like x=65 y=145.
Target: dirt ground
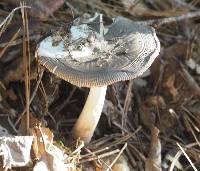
x=151 y=123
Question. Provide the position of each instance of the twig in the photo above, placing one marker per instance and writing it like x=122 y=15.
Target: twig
x=187 y=122
x=32 y=96
x=94 y=152
x=101 y=156
x=190 y=80
x=187 y=157
x=131 y=158
x=12 y=125
x=99 y=160
x=9 y=43
x=125 y=138
x=117 y=157
x=7 y=20
x=178 y=154
x=159 y=22
x=78 y=149
x=127 y=103
x=103 y=140
x=59 y=108
x=138 y=155
x=26 y=60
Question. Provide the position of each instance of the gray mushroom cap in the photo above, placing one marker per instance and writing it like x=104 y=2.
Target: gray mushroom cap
x=97 y=56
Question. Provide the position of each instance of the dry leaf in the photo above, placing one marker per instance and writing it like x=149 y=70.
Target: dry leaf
x=40 y=140
x=51 y=158
x=11 y=94
x=153 y=162
x=147 y=117
x=170 y=87
x=167 y=122
x=156 y=101
x=32 y=123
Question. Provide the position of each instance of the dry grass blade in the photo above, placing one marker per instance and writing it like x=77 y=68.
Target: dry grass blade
x=32 y=96
x=7 y=20
x=127 y=103
x=178 y=154
x=153 y=162
x=44 y=94
x=100 y=156
x=116 y=158
x=191 y=81
x=175 y=159
x=189 y=125
x=159 y=22
x=26 y=60
x=193 y=166
x=94 y=152
x=9 y=43
x=61 y=106
x=78 y=149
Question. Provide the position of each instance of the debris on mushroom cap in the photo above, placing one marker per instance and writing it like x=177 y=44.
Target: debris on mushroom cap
x=91 y=56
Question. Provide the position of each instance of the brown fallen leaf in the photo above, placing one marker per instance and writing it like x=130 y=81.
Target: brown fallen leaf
x=156 y=101
x=169 y=85
x=147 y=117
x=153 y=162
x=41 y=136
x=32 y=123
x=178 y=49
x=53 y=160
x=50 y=157
x=168 y=120
x=11 y=94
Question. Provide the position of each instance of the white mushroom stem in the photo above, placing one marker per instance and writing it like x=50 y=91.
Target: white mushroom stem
x=85 y=125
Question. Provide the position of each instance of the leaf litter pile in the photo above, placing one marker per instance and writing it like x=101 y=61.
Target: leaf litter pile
x=150 y=123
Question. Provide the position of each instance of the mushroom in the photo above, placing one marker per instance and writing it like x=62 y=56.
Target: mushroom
x=90 y=55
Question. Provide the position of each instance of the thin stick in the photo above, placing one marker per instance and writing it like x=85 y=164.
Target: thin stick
x=78 y=149
x=9 y=43
x=99 y=160
x=26 y=59
x=7 y=20
x=159 y=22
x=94 y=152
x=127 y=104
x=32 y=96
x=117 y=157
x=101 y=156
x=59 y=108
x=178 y=154
x=187 y=157
x=191 y=81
